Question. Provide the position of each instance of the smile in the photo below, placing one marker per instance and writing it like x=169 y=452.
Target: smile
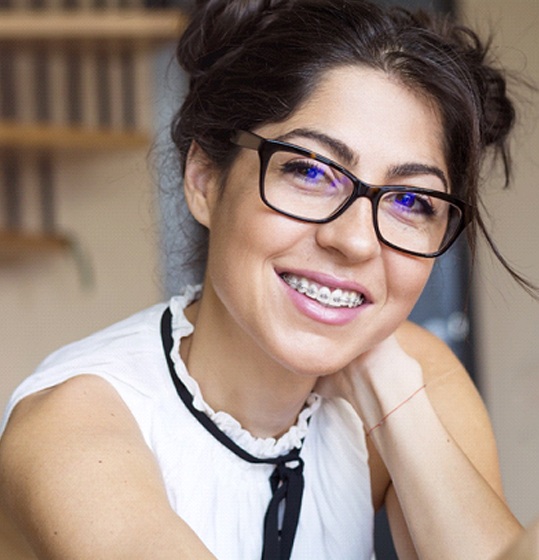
x=323 y=294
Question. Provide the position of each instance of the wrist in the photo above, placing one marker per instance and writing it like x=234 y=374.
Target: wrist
x=395 y=409
x=376 y=391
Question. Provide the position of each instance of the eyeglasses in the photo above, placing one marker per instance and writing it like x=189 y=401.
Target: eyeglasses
x=309 y=187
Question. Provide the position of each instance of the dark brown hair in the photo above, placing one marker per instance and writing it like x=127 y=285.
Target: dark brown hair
x=253 y=62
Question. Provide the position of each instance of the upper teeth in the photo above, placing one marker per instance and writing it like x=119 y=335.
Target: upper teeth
x=323 y=294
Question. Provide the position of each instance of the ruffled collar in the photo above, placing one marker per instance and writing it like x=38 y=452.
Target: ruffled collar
x=259 y=447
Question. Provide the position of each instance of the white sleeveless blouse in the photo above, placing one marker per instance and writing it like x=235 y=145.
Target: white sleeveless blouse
x=220 y=495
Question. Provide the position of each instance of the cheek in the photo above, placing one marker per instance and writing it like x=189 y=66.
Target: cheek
x=246 y=230
x=243 y=238
x=406 y=278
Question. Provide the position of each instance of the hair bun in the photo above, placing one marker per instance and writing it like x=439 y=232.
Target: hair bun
x=219 y=26
x=498 y=111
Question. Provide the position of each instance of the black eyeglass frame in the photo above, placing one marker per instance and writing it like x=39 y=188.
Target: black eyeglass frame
x=267 y=147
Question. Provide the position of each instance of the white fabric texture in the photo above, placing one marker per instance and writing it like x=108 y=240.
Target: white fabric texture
x=221 y=496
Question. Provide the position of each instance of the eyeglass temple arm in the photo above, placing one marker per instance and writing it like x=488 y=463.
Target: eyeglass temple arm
x=246 y=139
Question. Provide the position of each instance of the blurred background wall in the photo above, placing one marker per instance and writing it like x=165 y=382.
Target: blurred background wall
x=108 y=200
x=506 y=318
x=77 y=91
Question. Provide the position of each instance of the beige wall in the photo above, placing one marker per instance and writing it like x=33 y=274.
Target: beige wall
x=105 y=201
x=508 y=319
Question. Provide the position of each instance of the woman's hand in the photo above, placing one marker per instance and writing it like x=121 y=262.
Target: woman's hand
x=376 y=382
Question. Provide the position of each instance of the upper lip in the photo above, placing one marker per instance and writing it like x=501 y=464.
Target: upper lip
x=328 y=280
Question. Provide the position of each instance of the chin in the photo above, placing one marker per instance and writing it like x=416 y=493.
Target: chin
x=315 y=364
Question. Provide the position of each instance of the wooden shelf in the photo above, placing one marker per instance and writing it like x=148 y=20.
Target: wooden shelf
x=47 y=137
x=114 y=24
x=137 y=29
x=14 y=244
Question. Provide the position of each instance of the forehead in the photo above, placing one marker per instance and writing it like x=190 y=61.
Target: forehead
x=379 y=118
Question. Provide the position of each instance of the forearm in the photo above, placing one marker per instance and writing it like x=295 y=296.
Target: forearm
x=437 y=445
x=450 y=509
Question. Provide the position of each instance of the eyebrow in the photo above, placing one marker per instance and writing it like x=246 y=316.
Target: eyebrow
x=345 y=154
x=351 y=158
x=407 y=169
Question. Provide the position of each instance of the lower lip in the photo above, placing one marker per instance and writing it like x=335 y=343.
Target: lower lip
x=321 y=313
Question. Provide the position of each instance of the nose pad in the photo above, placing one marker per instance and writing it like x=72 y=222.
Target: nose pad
x=352 y=233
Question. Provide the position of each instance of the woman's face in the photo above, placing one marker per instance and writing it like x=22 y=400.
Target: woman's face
x=383 y=133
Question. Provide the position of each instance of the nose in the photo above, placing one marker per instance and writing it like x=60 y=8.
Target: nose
x=352 y=234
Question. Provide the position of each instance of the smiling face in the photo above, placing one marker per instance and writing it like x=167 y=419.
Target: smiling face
x=311 y=297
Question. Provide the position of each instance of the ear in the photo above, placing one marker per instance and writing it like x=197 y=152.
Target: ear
x=200 y=184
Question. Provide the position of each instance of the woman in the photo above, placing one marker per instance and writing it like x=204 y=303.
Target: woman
x=331 y=150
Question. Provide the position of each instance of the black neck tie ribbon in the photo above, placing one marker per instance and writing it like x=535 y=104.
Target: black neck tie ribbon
x=286 y=481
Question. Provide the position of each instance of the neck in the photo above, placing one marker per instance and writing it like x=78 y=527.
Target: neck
x=236 y=376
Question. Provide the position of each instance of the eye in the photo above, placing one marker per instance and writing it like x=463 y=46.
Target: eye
x=413 y=202
x=310 y=171
x=406 y=200
x=308 y=177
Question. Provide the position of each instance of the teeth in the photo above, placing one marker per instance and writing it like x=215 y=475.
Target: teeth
x=312 y=291
x=323 y=294
x=336 y=297
x=302 y=285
